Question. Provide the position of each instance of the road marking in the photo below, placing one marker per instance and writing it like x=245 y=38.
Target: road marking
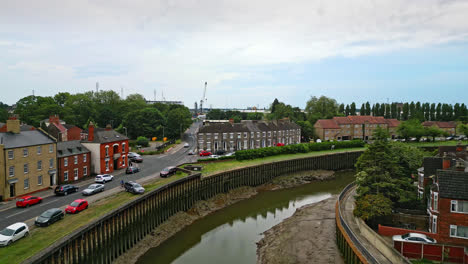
x=16 y=214
x=49 y=202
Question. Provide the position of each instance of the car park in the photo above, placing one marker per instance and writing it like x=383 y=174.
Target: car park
x=103 y=178
x=132 y=169
x=49 y=217
x=76 y=206
x=414 y=237
x=12 y=233
x=204 y=153
x=93 y=188
x=133 y=187
x=135 y=157
x=26 y=201
x=65 y=189
x=168 y=171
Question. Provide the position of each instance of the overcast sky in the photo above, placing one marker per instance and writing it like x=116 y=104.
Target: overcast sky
x=249 y=51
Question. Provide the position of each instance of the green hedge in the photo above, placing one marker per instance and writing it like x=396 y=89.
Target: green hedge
x=296 y=148
x=220 y=158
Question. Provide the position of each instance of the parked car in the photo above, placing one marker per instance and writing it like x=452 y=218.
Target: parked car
x=133 y=187
x=279 y=144
x=220 y=152
x=186 y=145
x=214 y=156
x=132 y=169
x=166 y=172
x=414 y=237
x=191 y=152
x=77 y=206
x=12 y=233
x=103 y=178
x=230 y=154
x=49 y=217
x=65 y=189
x=135 y=157
x=204 y=153
x=26 y=201
x=93 y=188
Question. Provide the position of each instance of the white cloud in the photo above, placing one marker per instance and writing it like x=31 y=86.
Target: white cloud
x=177 y=45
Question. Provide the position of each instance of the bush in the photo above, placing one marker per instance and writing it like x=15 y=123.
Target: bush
x=296 y=148
x=142 y=141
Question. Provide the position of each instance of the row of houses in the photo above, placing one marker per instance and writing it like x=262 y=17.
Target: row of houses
x=362 y=127
x=248 y=134
x=33 y=159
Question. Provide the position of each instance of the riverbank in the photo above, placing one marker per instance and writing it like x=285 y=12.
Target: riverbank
x=306 y=237
x=203 y=208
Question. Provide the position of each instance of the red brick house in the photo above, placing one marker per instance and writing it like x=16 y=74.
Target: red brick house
x=74 y=132
x=73 y=161
x=61 y=131
x=108 y=148
x=449 y=127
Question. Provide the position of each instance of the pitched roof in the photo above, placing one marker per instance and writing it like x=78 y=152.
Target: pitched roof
x=24 y=139
x=431 y=165
x=327 y=124
x=102 y=135
x=392 y=122
x=440 y=124
x=248 y=126
x=453 y=184
x=367 y=119
x=60 y=127
x=342 y=120
x=69 y=148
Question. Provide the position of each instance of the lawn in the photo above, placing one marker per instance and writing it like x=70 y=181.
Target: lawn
x=42 y=237
x=437 y=143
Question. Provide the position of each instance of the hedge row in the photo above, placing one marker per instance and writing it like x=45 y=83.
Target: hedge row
x=296 y=148
x=219 y=158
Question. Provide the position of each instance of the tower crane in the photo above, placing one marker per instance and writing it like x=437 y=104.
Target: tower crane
x=203 y=99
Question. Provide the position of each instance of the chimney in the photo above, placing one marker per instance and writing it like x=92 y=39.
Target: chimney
x=13 y=125
x=231 y=121
x=54 y=119
x=108 y=127
x=446 y=162
x=91 y=131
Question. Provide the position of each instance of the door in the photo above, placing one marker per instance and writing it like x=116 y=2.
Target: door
x=12 y=190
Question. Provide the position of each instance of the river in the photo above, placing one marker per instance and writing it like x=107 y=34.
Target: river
x=230 y=234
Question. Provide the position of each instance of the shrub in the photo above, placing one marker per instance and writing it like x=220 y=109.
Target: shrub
x=142 y=141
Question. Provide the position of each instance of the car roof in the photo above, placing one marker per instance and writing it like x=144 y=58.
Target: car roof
x=16 y=225
x=79 y=200
x=417 y=235
x=25 y=197
x=53 y=210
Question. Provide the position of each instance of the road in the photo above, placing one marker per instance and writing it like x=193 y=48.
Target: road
x=151 y=166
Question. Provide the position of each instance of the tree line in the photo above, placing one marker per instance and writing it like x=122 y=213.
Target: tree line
x=131 y=116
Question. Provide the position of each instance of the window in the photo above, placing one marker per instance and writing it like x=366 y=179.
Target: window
x=239 y=135
x=26 y=168
x=65 y=162
x=107 y=165
x=258 y=134
x=434 y=224
x=25 y=152
x=39 y=165
x=11 y=171
x=76 y=174
x=123 y=147
x=231 y=135
x=85 y=171
x=224 y=135
x=269 y=133
x=245 y=134
x=459 y=231
x=436 y=201
x=107 y=151
x=39 y=150
x=39 y=180
x=26 y=183
x=51 y=163
x=84 y=157
x=65 y=176
x=11 y=154
x=252 y=134
x=76 y=159
x=458 y=206
x=245 y=144
x=51 y=148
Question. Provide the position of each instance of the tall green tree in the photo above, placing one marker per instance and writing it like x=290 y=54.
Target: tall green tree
x=347 y=110
x=406 y=112
x=368 y=109
x=341 y=109
x=352 y=109
x=321 y=107
x=362 y=111
x=432 y=112
x=377 y=109
x=439 y=112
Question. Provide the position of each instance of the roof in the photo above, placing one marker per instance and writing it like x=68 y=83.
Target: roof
x=69 y=148
x=453 y=184
x=440 y=124
x=356 y=120
x=68 y=126
x=328 y=124
x=367 y=119
x=431 y=165
x=248 y=126
x=102 y=135
x=392 y=122
x=24 y=139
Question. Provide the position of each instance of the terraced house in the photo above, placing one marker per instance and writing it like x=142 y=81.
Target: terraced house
x=27 y=161
x=73 y=161
x=248 y=134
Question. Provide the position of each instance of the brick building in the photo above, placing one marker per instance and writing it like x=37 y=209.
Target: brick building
x=27 y=161
x=108 y=148
x=351 y=127
x=449 y=127
x=61 y=131
x=73 y=161
x=248 y=134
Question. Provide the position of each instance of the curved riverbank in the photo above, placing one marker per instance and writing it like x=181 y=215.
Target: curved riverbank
x=203 y=208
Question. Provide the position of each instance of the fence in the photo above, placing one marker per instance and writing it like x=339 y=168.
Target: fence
x=108 y=237
x=436 y=252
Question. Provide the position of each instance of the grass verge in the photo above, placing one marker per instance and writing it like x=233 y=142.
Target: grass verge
x=437 y=143
x=42 y=237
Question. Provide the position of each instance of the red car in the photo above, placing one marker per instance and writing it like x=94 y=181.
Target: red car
x=77 y=206
x=28 y=200
x=280 y=144
x=204 y=153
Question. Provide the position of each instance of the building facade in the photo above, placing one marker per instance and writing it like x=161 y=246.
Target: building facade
x=73 y=161
x=27 y=161
x=109 y=149
x=449 y=127
x=353 y=127
x=249 y=134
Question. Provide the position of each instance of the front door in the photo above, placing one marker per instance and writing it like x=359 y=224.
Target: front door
x=116 y=164
x=12 y=190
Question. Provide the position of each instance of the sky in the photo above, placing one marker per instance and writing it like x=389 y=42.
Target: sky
x=248 y=51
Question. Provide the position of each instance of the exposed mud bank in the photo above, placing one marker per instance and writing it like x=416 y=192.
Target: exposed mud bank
x=202 y=208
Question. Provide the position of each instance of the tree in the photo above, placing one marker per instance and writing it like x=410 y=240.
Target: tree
x=439 y=112
x=307 y=130
x=405 y=114
x=388 y=112
x=341 y=109
x=323 y=107
x=254 y=116
x=147 y=122
x=368 y=108
x=411 y=128
x=434 y=132
x=352 y=109
x=432 y=112
x=371 y=207
x=3 y=112
x=178 y=120
x=216 y=114
x=142 y=141
x=273 y=105
x=377 y=109
x=393 y=110
x=463 y=129
x=347 y=110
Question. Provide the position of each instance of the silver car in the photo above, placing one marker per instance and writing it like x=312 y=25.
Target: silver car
x=93 y=188
x=13 y=233
x=414 y=237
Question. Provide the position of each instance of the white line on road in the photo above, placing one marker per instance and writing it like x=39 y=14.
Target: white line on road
x=16 y=214
x=49 y=202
